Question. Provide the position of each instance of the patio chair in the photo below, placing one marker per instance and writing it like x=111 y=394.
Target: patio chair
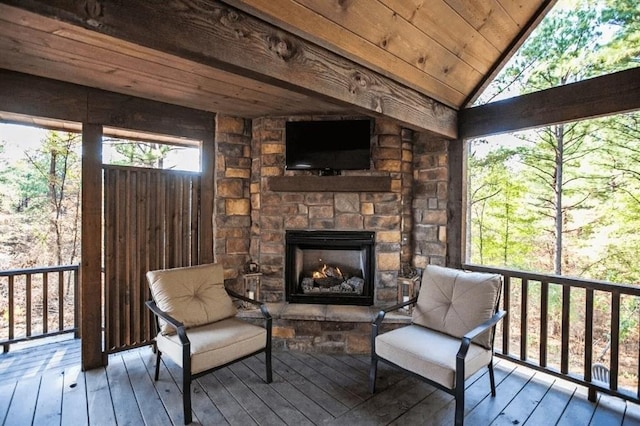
x=198 y=329
x=600 y=373
x=451 y=334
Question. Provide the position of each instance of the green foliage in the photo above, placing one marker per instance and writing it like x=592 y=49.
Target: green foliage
x=140 y=154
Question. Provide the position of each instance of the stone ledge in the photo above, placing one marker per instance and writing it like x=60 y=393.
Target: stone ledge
x=317 y=312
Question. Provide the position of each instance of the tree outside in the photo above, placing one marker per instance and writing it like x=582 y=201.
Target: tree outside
x=564 y=199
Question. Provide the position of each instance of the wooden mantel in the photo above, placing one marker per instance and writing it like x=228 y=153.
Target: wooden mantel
x=329 y=183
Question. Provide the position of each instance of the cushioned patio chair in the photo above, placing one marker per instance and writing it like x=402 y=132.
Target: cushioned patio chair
x=198 y=329
x=451 y=334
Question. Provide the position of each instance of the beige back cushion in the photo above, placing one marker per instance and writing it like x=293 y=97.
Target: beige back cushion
x=454 y=302
x=194 y=295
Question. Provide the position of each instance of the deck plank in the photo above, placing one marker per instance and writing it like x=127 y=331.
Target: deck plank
x=23 y=403
x=631 y=415
x=7 y=389
x=490 y=408
x=338 y=392
x=347 y=383
x=257 y=409
x=552 y=404
x=578 y=407
x=151 y=407
x=268 y=395
x=525 y=402
x=99 y=405
x=74 y=398
x=49 y=407
x=320 y=395
x=307 y=407
x=232 y=411
x=128 y=412
x=608 y=411
x=387 y=405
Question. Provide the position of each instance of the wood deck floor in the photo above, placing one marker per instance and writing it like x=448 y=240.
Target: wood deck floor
x=44 y=386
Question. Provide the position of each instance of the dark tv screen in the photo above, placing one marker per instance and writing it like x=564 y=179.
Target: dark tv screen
x=328 y=145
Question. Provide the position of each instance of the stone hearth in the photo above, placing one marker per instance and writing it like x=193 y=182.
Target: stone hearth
x=324 y=328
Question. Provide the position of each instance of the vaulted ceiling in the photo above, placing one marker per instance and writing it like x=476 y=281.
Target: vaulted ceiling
x=439 y=53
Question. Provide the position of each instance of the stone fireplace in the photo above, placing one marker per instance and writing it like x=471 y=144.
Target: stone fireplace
x=329 y=267
x=258 y=200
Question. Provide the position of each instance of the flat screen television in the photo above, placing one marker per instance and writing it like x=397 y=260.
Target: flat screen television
x=328 y=145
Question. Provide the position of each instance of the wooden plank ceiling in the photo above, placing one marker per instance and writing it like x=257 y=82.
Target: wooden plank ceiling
x=442 y=49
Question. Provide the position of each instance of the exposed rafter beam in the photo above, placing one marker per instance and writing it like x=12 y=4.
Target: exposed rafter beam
x=609 y=94
x=212 y=33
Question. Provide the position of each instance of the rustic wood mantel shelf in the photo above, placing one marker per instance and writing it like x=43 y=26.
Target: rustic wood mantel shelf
x=329 y=183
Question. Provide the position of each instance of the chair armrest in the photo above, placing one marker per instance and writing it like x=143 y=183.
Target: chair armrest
x=467 y=338
x=383 y=312
x=263 y=306
x=179 y=327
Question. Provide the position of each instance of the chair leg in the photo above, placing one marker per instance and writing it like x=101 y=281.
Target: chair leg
x=158 y=355
x=373 y=372
x=459 y=416
x=186 y=396
x=492 y=379
x=267 y=358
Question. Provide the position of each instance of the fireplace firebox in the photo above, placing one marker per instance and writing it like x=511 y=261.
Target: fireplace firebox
x=330 y=267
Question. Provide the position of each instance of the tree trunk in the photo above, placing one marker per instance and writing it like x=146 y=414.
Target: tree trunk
x=559 y=213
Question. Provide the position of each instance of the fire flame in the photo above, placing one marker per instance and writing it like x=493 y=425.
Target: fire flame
x=323 y=272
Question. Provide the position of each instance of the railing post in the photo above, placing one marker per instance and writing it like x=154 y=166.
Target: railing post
x=588 y=342
x=76 y=304
x=524 y=313
x=564 y=351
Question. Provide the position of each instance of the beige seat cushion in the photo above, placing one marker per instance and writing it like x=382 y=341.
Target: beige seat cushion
x=455 y=302
x=194 y=295
x=215 y=344
x=429 y=353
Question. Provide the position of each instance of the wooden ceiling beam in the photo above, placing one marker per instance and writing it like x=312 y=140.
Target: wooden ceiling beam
x=217 y=35
x=596 y=97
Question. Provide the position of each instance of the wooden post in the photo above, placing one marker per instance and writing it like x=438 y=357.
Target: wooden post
x=456 y=205
x=207 y=189
x=90 y=266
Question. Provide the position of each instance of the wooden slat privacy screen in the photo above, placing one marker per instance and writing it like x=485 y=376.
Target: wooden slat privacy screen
x=151 y=222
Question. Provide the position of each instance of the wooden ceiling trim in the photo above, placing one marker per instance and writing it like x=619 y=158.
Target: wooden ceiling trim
x=125 y=67
x=215 y=35
x=42 y=97
x=600 y=96
x=332 y=36
x=381 y=26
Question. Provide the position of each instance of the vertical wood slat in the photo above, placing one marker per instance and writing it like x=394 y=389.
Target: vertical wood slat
x=615 y=339
x=11 y=304
x=588 y=340
x=524 y=313
x=195 y=221
x=60 y=300
x=544 y=321
x=564 y=351
x=45 y=303
x=76 y=304
x=28 y=283
x=150 y=228
x=506 y=306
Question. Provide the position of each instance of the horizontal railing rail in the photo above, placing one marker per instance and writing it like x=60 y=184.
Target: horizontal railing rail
x=37 y=303
x=585 y=310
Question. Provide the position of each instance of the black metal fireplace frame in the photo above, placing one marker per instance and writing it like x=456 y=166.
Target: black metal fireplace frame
x=339 y=240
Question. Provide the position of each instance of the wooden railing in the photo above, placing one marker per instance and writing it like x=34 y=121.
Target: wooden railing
x=563 y=326
x=38 y=302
